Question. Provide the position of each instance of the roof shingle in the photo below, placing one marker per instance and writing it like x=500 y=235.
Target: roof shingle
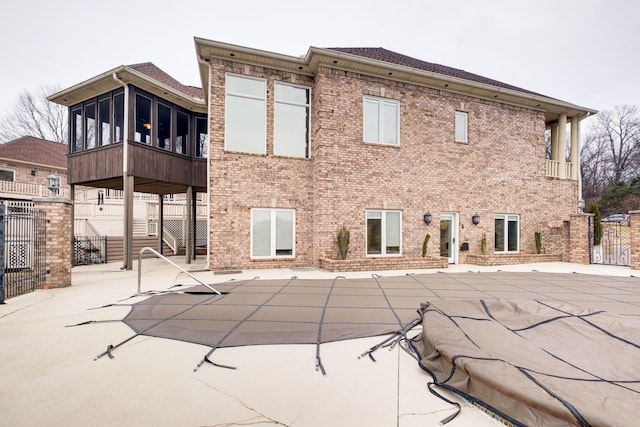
x=35 y=150
x=151 y=70
x=384 y=55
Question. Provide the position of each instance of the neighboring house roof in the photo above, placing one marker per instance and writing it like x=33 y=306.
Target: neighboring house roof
x=384 y=55
x=30 y=149
x=151 y=70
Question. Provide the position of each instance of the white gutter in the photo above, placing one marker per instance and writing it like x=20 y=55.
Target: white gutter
x=125 y=164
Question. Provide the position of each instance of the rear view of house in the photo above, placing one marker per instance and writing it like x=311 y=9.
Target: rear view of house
x=292 y=149
x=391 y=147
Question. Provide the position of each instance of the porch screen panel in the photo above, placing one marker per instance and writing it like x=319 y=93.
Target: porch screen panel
x=118 y=117
x=163 y=128
x=143 y=119
x=76 y=129
x=104 y=119
x=90 y=125
x=182 y=132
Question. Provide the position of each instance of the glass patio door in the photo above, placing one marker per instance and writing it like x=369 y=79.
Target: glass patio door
x=448 y=237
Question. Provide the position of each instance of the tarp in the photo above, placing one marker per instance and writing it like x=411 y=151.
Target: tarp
x=535 y=363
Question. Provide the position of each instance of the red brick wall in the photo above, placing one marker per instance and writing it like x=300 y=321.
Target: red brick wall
x=500 y=170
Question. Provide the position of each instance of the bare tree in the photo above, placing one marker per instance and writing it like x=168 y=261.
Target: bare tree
x=594 y=167
x=35 y=116
x=619 y=130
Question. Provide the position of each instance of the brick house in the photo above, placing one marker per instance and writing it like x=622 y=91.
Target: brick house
x=25 y=164
x=388 y=146
x=380 y=143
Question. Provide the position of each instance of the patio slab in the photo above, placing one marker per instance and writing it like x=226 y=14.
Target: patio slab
x=49 y=376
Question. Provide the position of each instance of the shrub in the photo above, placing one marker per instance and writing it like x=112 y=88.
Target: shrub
x=343 y=242
x=538 y=242
x=597 y=227
x=425 y=243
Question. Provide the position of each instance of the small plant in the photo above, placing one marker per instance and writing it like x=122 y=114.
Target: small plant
x=425 y=244
x=483 y=244
x=343 y=242
x=538 y=242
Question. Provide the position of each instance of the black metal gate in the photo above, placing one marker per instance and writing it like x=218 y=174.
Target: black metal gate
x=23 y=243
x=615 y=245
x=89 y=250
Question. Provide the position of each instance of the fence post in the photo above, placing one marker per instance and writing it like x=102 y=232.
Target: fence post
x=59 y=234
x=2 y=211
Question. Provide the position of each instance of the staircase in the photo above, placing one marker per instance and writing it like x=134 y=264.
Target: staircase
x=115 y=247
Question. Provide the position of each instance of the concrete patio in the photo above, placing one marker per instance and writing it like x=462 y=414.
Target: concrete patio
x=49 y=375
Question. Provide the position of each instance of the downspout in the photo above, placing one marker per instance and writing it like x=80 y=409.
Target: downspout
x=208 y=263
x=125 y=159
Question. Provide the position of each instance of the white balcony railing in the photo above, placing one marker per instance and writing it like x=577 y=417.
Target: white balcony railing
x=29 y=191
x=553 y=169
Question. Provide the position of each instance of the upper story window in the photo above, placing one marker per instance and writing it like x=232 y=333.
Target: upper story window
x=507 y=230
x=163 y=126
x=142 y=119
x=118 y=117
x=202 y=137
x=381 y=119
x=104 y=121
x=90 y=125
x=182 y=132
x=384 y=233
x=245 y=115
x=461 y=126
x=291 y=121
x=7 y=174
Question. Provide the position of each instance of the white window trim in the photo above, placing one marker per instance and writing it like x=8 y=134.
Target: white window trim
x=275 y=118
x=242 y=95
x=13 y=172
x=381 y=102
x=466 y=126
x=506 y=217
x=273 y=233
x=383 y=236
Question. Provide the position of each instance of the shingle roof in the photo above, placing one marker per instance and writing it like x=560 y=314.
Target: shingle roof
x=35 y=150
x=384 y=55
x=149 y=69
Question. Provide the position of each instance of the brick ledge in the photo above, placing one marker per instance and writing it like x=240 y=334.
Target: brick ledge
x=510 y=259
x=376 y=264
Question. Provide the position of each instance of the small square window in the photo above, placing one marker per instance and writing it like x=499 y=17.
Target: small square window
x=384 y=233
x=273 y=233
x=381 y=121
x=507 y=230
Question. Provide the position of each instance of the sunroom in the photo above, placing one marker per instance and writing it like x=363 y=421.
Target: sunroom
x=136 y=129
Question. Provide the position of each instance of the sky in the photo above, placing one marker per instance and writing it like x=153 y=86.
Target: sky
x=586 y=52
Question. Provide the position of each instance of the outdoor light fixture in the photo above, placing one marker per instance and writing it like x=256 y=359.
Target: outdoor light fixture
x=475 y=219
x=53 y=184
x=580 y=205
x=427 y=218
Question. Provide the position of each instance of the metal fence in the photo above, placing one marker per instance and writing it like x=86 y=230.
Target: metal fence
x=23 y=247
x=89 y=250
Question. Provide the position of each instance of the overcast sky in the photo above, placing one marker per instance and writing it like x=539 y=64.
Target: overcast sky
x=582 y=51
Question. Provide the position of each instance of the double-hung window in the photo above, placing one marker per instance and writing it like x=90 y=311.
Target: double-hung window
x=507 y=230
x=384 y=233
x=461 y=126
x=381 y=119
x=273 y=233
x=246 y=115
x=291 y=130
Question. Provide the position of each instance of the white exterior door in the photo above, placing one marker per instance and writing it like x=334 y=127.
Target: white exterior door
x=449 y=237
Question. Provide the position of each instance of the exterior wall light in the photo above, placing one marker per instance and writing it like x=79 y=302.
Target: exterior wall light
x=427 y=218
x=53 y=184
x=475 y=219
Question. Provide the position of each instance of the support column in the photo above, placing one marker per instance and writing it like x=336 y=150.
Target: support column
x=554 y=142
x=194 y=221
x=160 y=227
x=579 y=239
x=188 y=235
x=575 y=147
x=634 y=226
x=128 y=222
x=562 y=145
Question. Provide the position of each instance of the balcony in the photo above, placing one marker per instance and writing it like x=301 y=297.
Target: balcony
x=23 y=190
x=553 y=169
